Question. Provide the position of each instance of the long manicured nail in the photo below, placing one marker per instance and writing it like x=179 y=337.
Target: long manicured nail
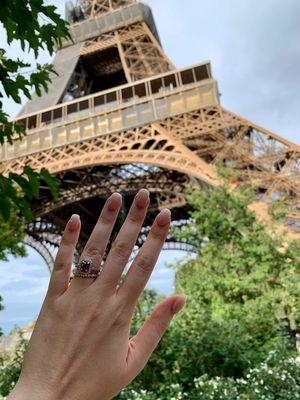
x=74 y=223
x=179 y=303
x=142 y=198
x=164 y=217
x=114 y=202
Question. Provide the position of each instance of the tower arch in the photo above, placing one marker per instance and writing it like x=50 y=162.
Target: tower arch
x=120 y=111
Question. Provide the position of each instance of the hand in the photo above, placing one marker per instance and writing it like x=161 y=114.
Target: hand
x=80 y=347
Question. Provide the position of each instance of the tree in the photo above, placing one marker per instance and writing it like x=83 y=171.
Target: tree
x=11 y=237
x=36 y=26
x=244 y=279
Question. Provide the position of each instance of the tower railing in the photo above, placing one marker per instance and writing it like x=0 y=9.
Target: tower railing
x=40 y=127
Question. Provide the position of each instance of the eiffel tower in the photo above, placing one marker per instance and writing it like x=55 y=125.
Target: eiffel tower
x=120 y=116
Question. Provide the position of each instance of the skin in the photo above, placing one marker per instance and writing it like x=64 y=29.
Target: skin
x=80 y=347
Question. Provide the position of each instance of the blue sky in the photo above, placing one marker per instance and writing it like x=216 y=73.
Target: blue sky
x=255 y=54
x=24 y=282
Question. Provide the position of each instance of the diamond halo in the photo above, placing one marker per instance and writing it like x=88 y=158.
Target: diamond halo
x=84 y=269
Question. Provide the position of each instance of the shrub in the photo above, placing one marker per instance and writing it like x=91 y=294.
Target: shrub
x=10 y=368
x=278 y=378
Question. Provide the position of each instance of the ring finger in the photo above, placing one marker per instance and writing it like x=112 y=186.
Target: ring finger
x=97 y=243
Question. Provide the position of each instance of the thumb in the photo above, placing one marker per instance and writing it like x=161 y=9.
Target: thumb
x=144 y=343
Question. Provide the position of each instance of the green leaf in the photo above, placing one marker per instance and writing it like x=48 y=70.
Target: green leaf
x=52 y=182
x=33 y=181
x=5 y=207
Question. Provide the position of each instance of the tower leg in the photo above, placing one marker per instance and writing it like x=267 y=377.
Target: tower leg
x=42 y=249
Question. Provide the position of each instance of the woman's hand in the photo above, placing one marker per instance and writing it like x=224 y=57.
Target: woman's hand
x=80 y=347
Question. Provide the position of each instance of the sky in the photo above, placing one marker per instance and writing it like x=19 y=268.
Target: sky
x=24 y=283
x=255 y=54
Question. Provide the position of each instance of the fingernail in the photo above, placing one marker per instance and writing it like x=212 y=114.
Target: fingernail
x=142 y=198
x=74 y=223
x=164 y=217
x=114 y=202
x=179 y=303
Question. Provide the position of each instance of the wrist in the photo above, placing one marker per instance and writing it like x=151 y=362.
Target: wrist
x=26 y=392
x=20 y=392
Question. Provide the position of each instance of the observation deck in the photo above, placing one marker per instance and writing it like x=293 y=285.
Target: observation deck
x=125 y=107
x=114 y=20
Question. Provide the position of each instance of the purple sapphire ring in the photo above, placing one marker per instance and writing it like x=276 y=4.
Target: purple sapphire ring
x=85 y=269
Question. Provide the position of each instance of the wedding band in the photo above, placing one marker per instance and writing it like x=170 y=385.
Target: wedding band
x=85 y=269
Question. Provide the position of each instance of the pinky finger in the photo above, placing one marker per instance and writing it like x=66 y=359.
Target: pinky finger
x=148 y=337
x=60 y=276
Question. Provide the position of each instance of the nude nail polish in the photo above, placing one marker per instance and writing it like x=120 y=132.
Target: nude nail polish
x=164 y=217
x=74 y=223
x=142 y=198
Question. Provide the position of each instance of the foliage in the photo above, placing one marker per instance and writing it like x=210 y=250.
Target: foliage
x=11 y=237
x=239 y=286
x=278 y=210
x=170 y=392
x=10 y=368
x=277 y=378
x=35 y=26
x=18 y=191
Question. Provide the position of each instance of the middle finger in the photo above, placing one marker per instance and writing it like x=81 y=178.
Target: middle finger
x=124 y=243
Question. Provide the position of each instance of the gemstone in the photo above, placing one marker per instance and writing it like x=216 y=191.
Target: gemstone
x=85 y=266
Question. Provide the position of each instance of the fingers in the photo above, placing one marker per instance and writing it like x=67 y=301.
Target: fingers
x=97 y=243
x=125 y=241
x=142 y=267
x=144 y=343
x=60 y=276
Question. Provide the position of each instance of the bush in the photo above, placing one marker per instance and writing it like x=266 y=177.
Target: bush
x=10 y=368
x=278 y=378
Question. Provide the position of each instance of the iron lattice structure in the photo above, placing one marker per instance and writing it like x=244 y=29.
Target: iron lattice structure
x=94 y=8
x=120 y=116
